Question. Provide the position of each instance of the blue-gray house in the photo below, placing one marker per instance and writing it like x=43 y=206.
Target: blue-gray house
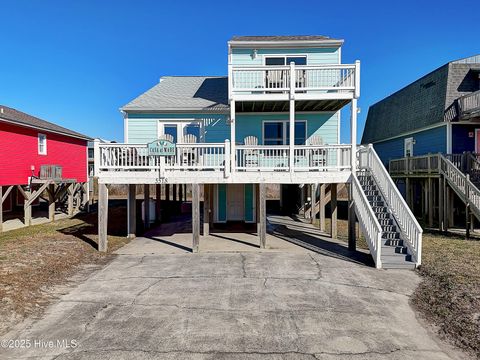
x=440 y=112
x=428 y=135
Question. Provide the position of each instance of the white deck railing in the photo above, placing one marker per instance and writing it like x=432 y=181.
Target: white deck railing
x=461 y=184
x=369 y=224
x=296 y=79
x=306 y=158
x=216 y=157
x=469 y=103
x=408 y=224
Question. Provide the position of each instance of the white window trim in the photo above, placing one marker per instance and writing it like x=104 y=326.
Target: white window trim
x=181 y=124
x=265 y=56
x=44 y=152
x=285 y=129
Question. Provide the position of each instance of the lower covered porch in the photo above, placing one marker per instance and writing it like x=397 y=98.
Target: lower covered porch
x=232 y=214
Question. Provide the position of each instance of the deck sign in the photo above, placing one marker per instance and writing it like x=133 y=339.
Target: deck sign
x=161 y=148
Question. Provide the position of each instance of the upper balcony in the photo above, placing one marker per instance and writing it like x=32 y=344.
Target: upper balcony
x=469 y=106
x=299 y=82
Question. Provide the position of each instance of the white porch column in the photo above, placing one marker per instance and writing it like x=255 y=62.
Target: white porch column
x=232 y=136
x=292 y=116
x=353 y=137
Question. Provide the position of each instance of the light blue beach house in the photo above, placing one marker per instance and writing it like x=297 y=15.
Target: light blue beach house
x=275 y=119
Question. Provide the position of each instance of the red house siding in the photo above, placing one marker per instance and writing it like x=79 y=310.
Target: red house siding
x=19 y=151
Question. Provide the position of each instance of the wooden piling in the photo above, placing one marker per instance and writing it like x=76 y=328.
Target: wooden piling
x=132 y=211
x=146 y=206
x=333 y=206
x=102 y=217
x=206 y=209
x=195 y=217
x=321 y=209
x=262 y=232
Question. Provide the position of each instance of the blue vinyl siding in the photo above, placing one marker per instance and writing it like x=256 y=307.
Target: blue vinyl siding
x=461 y=141
x=427 y=141
x=249 y=203
x=143 y=128
x=222 y=202
x=324 y=124
x=315 y=56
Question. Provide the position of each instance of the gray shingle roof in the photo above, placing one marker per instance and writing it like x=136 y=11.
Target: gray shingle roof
x=184 y=93
x=20 y=118
x=281 y=38
x=428 y=100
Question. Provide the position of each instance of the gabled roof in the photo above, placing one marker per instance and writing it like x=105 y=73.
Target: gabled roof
x=17 y=117
x=280 y=38
x=426 y=101
x=284 y=41
x=184 y=93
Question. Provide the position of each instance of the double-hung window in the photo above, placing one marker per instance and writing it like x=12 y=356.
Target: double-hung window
x=278 y=132
x=42 y=144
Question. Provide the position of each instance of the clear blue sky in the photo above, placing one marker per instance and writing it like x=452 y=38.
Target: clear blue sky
x=76 y=62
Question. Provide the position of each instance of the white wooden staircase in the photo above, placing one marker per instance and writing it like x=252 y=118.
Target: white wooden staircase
x=466 y=189
x=387 y=223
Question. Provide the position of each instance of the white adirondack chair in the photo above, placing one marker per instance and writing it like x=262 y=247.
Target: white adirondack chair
x=189 y=155
x=251 y=155
x=318 y=156
x=167 y=137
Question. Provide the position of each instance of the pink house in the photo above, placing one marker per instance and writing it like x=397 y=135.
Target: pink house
x=40 y=161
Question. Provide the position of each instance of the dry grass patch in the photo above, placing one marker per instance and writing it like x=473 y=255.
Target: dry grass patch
x=36 y=258
x=449 y=295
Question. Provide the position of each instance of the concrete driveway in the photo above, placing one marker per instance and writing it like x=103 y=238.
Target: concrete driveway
x=247 y=305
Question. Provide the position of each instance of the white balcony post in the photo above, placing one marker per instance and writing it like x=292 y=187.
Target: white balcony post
x=232 y=136
x=230 y=81
x=357 y=79
x=227 y=158
x=292 y=116
x=353 y=136
x=96 y=157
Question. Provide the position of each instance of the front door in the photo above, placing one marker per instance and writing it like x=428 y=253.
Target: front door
x=408 y=148
x=235 y=202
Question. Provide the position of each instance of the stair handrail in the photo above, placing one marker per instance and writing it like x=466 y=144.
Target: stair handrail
x=371 y=228
x=473 y=163
x=462 y=182
x=409 y=227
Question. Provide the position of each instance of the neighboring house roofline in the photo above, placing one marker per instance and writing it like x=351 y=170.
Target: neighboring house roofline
x=473 y=60
x=409 y=84
x=175 y=110
x=15 y=117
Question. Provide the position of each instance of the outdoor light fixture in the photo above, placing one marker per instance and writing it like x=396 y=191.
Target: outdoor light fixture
x=254 y=53
x=32 y=169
